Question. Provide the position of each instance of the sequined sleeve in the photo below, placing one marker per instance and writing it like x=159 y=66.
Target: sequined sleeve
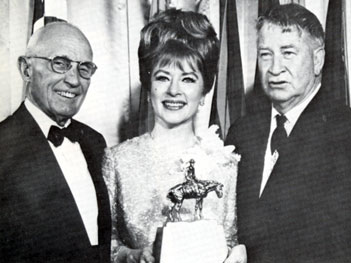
x=110 y=176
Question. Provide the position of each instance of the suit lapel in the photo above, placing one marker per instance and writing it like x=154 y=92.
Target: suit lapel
x=261 y=140
x=312 y=119
x=252 y=142
x=55 y=195
x=308 y=130
x=252 y=153
x=93 y=149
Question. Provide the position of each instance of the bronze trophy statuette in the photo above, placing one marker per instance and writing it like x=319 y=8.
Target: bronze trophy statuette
x=191 y=189
x=194 y=241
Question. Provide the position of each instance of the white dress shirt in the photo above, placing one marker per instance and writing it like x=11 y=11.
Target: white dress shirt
x=75 y=170
x=292 y=117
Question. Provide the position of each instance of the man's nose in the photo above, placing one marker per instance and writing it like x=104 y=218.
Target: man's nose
x=277 y=66
x=72 y=75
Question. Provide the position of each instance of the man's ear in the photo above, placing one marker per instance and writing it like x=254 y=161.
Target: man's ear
x=318 y=56
x=24 y=68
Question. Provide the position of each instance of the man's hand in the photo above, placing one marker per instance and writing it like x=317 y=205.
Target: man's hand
x=237 y=255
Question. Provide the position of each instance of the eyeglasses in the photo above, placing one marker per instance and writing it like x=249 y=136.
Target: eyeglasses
x=61 y=65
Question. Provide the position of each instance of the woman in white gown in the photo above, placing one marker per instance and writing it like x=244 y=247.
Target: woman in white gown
x=178 y=56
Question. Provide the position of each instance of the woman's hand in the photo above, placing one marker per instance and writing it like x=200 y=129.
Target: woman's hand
x=237 y=255
x=140 y=255
x=146 y=255
x=132 y=255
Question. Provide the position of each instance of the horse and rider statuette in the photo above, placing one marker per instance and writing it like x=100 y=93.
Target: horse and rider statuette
x=192 y=188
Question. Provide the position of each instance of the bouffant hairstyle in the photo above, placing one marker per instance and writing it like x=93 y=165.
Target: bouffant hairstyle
x=175 y=36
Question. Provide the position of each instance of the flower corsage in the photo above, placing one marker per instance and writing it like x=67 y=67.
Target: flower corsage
x=210 y=152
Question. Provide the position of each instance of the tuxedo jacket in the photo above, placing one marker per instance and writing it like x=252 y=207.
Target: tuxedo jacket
x=39 y=219
x=303 y=214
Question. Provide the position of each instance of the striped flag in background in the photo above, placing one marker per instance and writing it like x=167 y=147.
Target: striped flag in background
x=230 y=94
x=47 y=11
x=38 y=16
x=145 y=110
x=334 y=72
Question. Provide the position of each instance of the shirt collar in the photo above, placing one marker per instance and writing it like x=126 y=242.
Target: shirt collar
x=293 y=114
x=44 y=121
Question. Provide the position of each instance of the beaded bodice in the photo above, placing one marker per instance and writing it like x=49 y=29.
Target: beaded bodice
x=139 y=176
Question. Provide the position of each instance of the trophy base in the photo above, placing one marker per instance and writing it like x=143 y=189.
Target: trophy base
x=200 y=241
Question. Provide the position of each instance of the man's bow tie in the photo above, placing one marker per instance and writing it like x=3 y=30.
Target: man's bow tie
x=56 y=134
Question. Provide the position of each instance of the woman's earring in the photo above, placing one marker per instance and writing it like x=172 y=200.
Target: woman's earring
x=202 y=103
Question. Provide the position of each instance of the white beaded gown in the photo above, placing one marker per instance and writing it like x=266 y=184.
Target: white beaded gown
x=138 y=176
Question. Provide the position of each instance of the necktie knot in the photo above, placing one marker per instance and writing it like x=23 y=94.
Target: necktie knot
x=281 y=119
x=56 y=135
x=279 y=136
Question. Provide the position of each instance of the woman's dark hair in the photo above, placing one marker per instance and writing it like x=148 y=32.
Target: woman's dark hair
x=174 y=36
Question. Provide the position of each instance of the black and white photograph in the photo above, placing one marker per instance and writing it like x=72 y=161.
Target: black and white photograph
x=175 y=131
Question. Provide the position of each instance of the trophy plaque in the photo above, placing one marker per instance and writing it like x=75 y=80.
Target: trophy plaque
x=197 y=241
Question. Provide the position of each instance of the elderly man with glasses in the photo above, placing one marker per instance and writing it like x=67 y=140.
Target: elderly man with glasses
x=53 y=201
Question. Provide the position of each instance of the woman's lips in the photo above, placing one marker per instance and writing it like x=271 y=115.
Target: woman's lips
x=173 y=104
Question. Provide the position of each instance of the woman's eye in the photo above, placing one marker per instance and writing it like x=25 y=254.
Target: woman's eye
x=161 y=78
x=189 y=80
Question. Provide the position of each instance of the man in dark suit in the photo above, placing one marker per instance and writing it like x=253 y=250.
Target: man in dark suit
x=54 y=204
x=294 y=182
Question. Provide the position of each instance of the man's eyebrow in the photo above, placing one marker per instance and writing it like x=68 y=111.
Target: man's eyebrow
x=288 y=46
x=61 y=56
x=263 y=47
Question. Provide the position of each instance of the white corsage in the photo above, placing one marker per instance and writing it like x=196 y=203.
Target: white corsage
x=210 y=152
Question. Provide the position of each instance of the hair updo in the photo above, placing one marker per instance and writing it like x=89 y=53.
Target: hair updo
x=175 y=36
